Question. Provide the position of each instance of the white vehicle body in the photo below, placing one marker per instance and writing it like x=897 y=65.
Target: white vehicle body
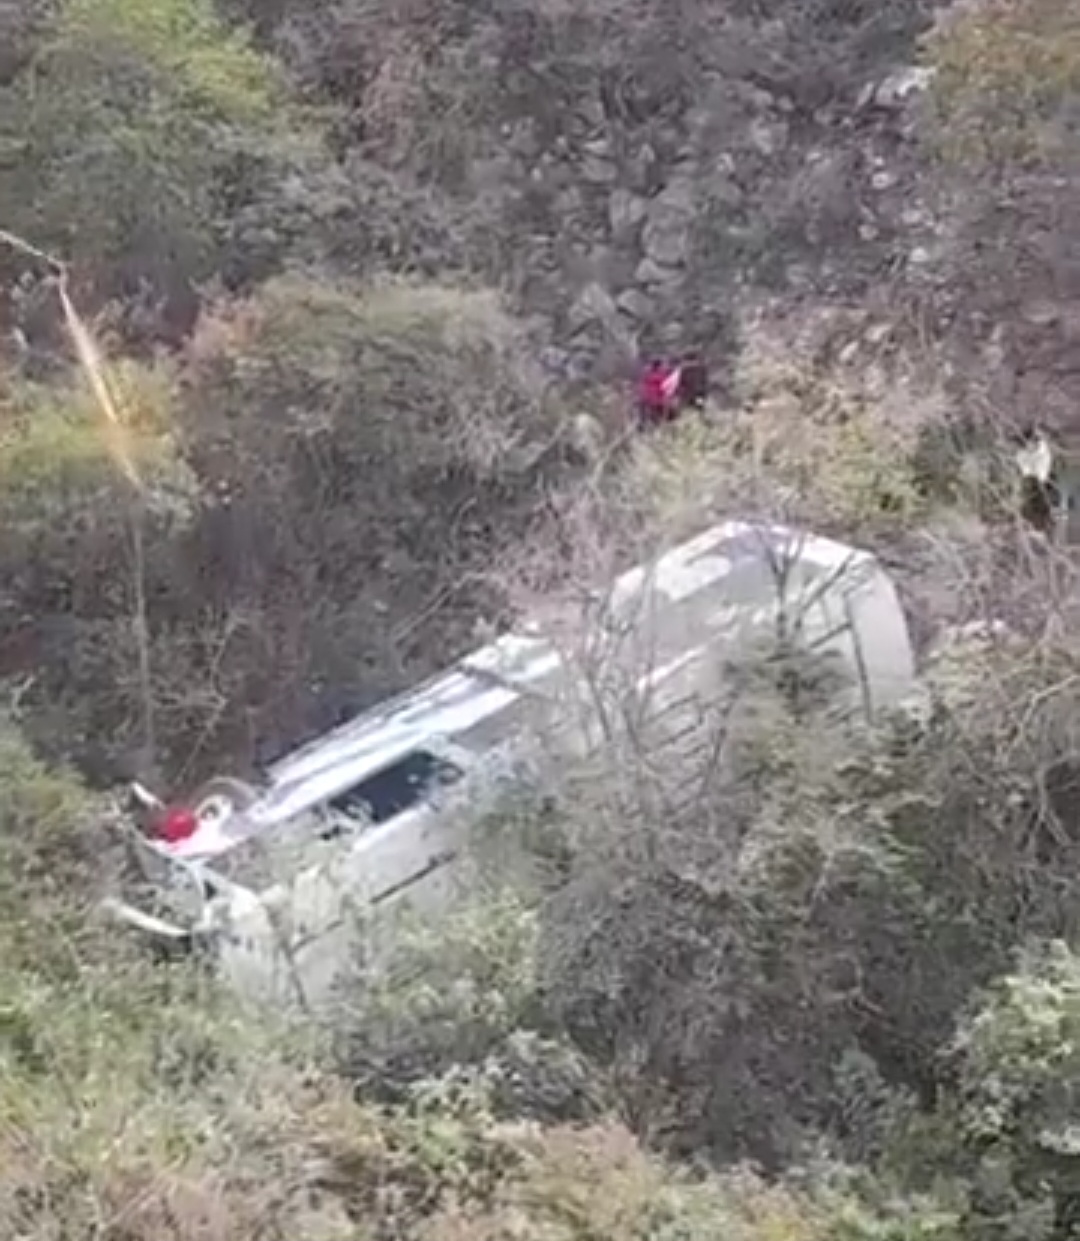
x=376 y=811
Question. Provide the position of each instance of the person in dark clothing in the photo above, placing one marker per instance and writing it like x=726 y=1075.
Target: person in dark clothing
x=1040 y=493
x=693 y=382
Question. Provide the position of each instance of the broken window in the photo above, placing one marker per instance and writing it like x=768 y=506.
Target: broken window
x=397 y=787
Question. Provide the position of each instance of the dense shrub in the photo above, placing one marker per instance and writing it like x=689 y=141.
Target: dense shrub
x=769 y=936
x=819 y=896
x=128 y=130
x=327 y=473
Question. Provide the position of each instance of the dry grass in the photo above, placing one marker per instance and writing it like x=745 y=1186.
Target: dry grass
x=137 y=1105
x=573 y=1184
x=1007 y=72
x=809 y=441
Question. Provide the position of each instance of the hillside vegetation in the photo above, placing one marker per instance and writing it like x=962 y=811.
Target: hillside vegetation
x=368 y=281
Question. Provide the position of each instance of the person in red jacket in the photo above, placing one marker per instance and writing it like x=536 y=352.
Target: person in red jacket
x=658 y=393
x=176 y=825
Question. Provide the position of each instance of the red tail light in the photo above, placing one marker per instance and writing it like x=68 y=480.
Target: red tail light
x=177 y=825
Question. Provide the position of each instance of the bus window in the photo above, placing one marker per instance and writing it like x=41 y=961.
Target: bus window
x=399 y=787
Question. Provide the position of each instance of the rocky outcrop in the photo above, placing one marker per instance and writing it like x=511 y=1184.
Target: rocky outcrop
x=628 y=172
x=643 y=235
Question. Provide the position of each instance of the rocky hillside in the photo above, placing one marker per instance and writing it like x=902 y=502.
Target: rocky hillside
x=631 y=170
x=363 y=267
x=365 y=277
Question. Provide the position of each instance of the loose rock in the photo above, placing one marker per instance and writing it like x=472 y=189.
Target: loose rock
x=635 y=304
x=651 y=274
x=626 y=211
x=593 y=304
x=666 y=237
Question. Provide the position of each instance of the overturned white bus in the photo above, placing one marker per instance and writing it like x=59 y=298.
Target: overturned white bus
x=275 y=878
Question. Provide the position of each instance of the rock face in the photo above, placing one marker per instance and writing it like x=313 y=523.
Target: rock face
x=897 y=90
x=666 y=237
x=650 y=274
x=648 y=229
x=650 y=157
x=639 y=176
x=626 y=212
x=594 y=304
x=635 y=304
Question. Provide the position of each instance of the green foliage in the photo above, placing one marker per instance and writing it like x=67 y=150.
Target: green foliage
x=453 y=991
x=319 y=452
x=811 y=442
x=1016 y=1106
x=212 y=69
x=58 y=450
x=841 y=446
x=769 y=961
x=69 y=508
x=127 y=128
x=41 y=814
x=845 y=895
x=424 y=376
x=138 y=1102
x=1007 y=71
x=575 y=1184
x=135 y=1100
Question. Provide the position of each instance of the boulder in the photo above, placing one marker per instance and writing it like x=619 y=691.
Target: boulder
x=591 y=111
x=666 y=236
x=597 y=169
x=626 y=211
x=594 y=304
x=523 y=140
x=896 y=91
x=721 y=189
x=597 y=264
x=652 y=274
x=677 y=196
x=635 y=304
x=667 y=241
x=643 y=168
x=767 y=137
x=600 y=147
x=587 y=436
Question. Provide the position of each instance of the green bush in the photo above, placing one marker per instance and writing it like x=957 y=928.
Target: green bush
x=816 y=893
x=126 y=132
x=420 y=377
x=451 y=992
x=1016 y=1103
x=1006 y=74
x=139 y=1103
x=59 y=452
x=43 y=817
